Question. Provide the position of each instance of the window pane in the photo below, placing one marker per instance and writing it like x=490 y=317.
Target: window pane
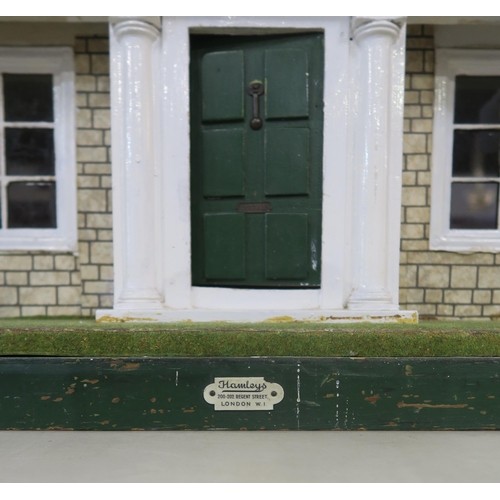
x=31 y=204
x=29 y=151
x=474 y=205
x=28 y=98
x=475 y=153
x=477 y=99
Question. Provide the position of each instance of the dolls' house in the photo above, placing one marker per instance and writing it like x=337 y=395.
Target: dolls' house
x=250 y=169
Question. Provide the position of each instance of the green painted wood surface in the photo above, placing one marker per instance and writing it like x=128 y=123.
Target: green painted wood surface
x=320 y=393
x=223 y=163
x=223 y=96
x=224 y=245
x=286 y=246
x=287 y=79
x=280 y=164
x=287 y=150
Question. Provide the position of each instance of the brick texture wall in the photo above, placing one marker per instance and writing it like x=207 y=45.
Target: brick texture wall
x=440 y=285
x=49 y=283
x=94 y=174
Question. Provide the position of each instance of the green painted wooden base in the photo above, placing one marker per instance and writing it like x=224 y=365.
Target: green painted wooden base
x=319 y=393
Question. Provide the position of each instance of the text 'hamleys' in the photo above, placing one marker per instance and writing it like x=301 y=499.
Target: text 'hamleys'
x=243 y=393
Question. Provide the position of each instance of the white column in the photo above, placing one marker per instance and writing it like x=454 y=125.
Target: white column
x=376 y=165
x=134 y=45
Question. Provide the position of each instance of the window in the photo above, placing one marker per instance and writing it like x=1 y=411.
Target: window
x=466 y=151
x=37 y=150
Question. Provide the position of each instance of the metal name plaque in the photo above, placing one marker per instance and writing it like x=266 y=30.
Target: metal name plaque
x=243 y=393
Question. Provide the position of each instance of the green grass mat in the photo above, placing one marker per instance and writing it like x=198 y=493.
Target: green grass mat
x=85 y=337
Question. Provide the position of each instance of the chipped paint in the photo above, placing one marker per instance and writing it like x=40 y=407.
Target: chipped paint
x=391 y=424
x=297 y=410
x=314 y=259
x=71 y=389
x=411 y=319
x=373 y=399
x=337 y=385
x=57 y=400
x=280 y=319
x=402 y=404
x=94 y=381
x=408 y=370
x=123 y=319
x=346 y=412
x=329 y=378
x=115 y=400
x=45 y=398
x=129 y=366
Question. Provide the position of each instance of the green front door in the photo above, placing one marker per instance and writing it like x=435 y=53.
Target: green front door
x=256 y=187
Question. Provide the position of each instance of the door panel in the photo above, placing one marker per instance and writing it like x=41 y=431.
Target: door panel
x=286 y=84
x=223 y=166
x=256 y=194
x=222 y=81
x=286 y=246
x=224 y=239
x=287 y=161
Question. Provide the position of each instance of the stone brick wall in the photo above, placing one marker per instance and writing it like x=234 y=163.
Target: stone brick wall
x=35 y=283
x=94 y=174
x=51 y=283
x=440 y=285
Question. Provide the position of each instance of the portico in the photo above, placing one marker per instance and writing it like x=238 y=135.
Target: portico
x=361 y=163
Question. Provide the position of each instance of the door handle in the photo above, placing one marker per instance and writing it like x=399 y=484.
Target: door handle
x=256 y=89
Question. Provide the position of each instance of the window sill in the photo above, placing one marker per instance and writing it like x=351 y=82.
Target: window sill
x=467 y=241
x=48 y=242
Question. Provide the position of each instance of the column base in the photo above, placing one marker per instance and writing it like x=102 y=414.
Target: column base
x=256 y=316
x=371 y=299
x=146 y=298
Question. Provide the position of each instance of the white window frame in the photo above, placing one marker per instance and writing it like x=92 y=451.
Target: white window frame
x=57 y=61
x=449 y=64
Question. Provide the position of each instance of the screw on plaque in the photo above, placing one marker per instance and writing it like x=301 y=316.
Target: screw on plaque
x=256 y=89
